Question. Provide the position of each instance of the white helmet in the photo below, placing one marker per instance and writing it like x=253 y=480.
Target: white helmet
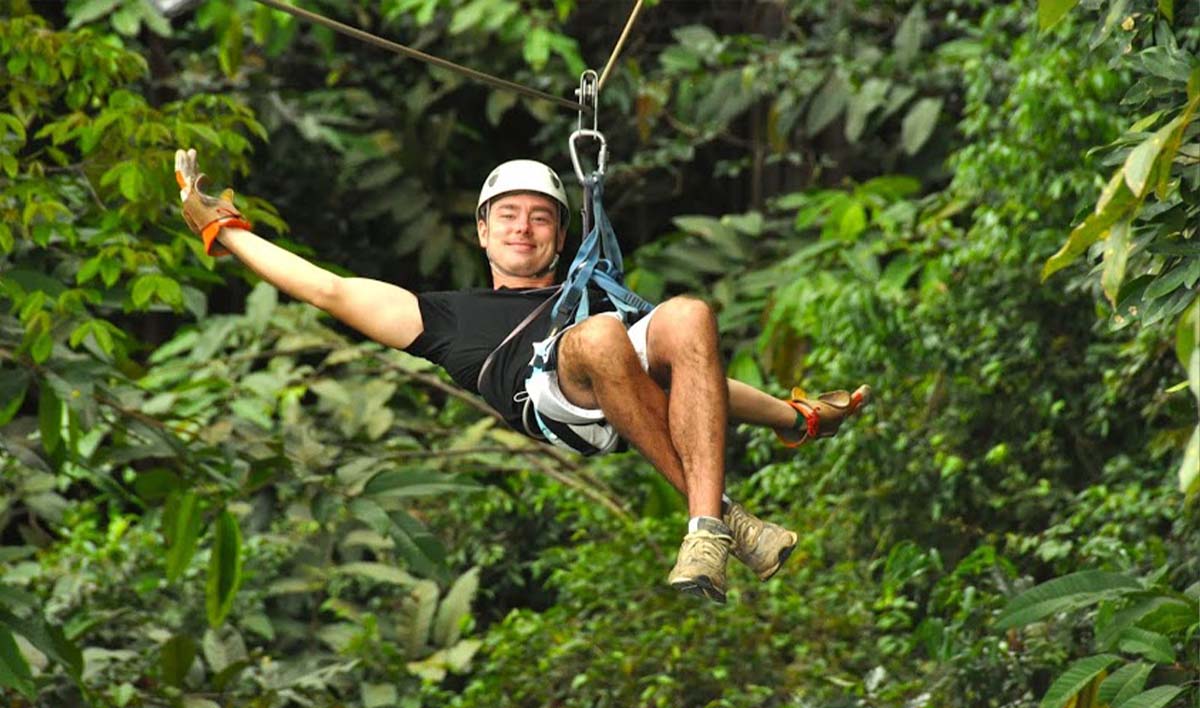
x=523 y=176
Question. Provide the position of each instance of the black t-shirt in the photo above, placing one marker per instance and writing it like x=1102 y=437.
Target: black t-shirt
x=461 y=328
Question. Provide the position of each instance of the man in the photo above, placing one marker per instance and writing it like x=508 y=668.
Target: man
x=657 y=383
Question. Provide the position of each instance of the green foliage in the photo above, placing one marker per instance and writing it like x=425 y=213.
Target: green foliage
x=1147 y=621
x=208 y=497
x=1152 y=192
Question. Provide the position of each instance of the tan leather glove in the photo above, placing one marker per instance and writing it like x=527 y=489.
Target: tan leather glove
x=205 y=215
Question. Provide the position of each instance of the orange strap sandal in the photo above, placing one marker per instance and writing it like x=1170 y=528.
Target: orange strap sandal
x=822 y=417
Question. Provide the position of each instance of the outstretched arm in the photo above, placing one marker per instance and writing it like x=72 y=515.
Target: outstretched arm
x=384 y=312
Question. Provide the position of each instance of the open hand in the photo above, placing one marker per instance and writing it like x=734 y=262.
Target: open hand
x=205 y=215
x=186 y=173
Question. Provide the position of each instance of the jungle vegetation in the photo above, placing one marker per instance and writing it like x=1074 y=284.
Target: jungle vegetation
x=211 y=496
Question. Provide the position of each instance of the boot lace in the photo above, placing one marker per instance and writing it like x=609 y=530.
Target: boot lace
x=706 y=547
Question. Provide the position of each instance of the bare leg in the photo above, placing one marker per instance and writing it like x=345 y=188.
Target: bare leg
x=682 y=434
x=682 y=349
x=749 y=405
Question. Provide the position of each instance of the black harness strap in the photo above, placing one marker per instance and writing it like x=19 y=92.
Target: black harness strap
x=487 y=363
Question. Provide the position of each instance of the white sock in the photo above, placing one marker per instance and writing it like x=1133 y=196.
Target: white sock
x=694 y=522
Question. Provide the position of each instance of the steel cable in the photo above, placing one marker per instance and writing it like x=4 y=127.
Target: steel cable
x=417 y=54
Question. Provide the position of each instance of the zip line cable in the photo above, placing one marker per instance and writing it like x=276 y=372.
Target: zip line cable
x=417 y=54
x=612 y=58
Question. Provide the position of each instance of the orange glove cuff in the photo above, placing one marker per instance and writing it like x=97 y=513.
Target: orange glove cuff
x=209 y=234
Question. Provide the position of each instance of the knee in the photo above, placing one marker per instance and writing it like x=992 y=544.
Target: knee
x=597 y=340
x=688 y=318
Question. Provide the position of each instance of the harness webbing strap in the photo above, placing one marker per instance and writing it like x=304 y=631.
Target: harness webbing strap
x=487 y=363
x=597 y=263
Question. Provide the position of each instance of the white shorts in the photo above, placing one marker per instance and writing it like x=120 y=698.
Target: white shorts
x=588 y=423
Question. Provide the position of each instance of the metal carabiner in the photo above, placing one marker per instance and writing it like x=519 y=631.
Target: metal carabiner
x=601 y=159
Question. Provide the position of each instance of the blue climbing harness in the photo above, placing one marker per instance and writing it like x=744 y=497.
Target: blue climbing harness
x=597 y=267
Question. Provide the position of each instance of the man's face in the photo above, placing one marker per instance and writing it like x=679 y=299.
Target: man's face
x=522 y=233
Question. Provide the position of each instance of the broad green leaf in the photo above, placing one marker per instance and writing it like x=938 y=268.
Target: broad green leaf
x=182 y=525
x=1154 y=698
x=229 y=52
x=425 y=603
x=11 y=596
x=420 y=548
x=14 y=670
x=1187 y=341
x=176 y=657
x=154 y=20
x=1125 y=681
x=48 y=639
x=223 y=648
x=910 y=33
x=898 y=272
x=1063 y=594
x=744 y=367
x=1189 y=469
x=918 y=125
x=751 y=223
x=373 y=515
x=224 y=568
x=447 y=627
x=1167 y=8
x=143 y=289
x=827 y=104
x=379 y=695
x=379 y=572
x=1158 y=614
x=415 y=483
x=260 y=305
x=14 y=383
x=537 y=47
x=1140 y=163
x=468 y=16
x=1152 y=645
x=50 y=411
x=456 y=659
x=91 y=10
x=1171 y=148
x=1167 y=282
x=131 y=183
x=498 y=103
x=127 y=20
x=1113 y=205
x=1116 y=255
x=1051 y=12
x=853 y=221
x=870 y=96
x=1075 y=679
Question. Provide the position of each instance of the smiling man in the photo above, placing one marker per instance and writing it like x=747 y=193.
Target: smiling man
x=657 y=383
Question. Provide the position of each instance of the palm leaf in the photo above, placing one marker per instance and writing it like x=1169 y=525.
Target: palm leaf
x=1063 y=594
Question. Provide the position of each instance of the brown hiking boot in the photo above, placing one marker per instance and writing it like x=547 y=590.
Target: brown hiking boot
x=700 y=566
x=760 y=545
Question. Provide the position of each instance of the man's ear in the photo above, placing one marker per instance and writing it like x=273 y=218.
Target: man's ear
x=562 y=239
x=481 y=230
